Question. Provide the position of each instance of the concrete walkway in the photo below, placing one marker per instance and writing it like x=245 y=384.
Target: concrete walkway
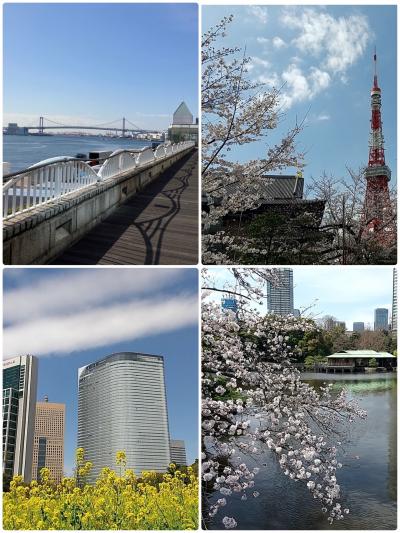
x=158 y=226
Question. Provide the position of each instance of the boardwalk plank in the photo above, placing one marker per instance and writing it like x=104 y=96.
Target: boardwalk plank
x=157 y=226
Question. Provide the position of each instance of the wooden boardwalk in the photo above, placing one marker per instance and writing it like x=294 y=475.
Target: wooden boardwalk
x=158 y=226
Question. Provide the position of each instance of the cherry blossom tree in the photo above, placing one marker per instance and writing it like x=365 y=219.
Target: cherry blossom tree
x=236 y=111
x=253 y=400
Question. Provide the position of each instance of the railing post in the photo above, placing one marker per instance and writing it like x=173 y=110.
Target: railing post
x=57 y=179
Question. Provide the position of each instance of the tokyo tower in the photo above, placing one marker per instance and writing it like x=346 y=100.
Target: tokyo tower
x=377 y=215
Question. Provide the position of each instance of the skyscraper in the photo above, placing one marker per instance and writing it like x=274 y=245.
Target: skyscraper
x=394 y=301
x=358 y=326
x=381 y=319
x=280 y=295
x=230 y=303
x=19 y=401
x=48 y=445
x=122 y=406
x=178 y=452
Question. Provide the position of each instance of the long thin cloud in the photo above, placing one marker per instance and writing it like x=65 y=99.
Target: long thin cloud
x=100 y=327
x=72 y=291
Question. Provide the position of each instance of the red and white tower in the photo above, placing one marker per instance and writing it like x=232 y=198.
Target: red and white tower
x=378 y=214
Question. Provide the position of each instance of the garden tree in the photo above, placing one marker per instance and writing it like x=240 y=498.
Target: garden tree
x=380 y=341
x=315 y=344
x=276 y=238
x=345 y=223
x=254 y=400
x=236 y=111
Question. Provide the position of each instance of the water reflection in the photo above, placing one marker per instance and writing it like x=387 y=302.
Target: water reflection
x=368 y=478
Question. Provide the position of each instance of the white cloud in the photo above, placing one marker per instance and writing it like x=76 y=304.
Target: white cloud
x=338 y=42
x=278 y=43
x=325 y=48
x=68 y=292
x=323 y=116
x=259 y=12
x=101 y=326
x=300 y=86
x=258 y=62
x=80 y=309
x=272 y=80
x=319 y=80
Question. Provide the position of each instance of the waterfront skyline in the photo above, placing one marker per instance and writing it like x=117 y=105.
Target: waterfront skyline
x=350 y=295
x=321 y=58
x=120 y=59
x=89 y=314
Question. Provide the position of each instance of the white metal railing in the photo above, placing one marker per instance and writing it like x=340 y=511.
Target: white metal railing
x=42 y=183
x=118 y=162
x=57 y=177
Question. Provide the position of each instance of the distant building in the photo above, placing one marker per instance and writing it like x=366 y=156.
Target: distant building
x=14 y=129
x=178 y=452
x=330 y=323
x=229 y=303
x=358 y=326
x=296 y=313
x=48 y=445
x=19 y=403
x=182 y=127
x=122 y=405
x=381 y=319
x=280 y=295
x=394 y=301
x=182 y=115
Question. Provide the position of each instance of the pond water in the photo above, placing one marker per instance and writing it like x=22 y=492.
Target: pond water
x=368 y=478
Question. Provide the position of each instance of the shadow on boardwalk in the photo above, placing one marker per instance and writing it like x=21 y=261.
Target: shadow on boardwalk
x=157 y=226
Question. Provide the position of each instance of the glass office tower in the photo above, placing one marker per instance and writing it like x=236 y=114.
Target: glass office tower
x=19 y=404
x=122 y=406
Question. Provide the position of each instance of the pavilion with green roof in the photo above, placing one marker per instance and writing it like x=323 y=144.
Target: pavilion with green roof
x=359 y=360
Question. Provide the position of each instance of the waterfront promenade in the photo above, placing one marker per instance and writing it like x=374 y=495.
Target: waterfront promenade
x=159 y=225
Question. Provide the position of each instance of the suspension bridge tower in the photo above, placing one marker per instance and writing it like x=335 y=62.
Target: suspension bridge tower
x=378 y=214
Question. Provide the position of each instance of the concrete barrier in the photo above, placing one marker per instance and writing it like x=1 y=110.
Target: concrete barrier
x=41 y=234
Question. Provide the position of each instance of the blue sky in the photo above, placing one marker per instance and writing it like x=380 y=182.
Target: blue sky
x=350 y=294
x=69 y=318
x=99 y=62
x=323 y=56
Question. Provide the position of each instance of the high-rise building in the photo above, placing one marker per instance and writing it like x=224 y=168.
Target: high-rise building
x=178 y=452
x=297 y=313
x=19 y=402
x=229 y=303
x=280 y=294
x=358 y=326
x=381 y=319
x=122 y=406
x=48 y=444
x=394 y=301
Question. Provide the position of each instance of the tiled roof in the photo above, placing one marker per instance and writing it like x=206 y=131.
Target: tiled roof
x=278 y=188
